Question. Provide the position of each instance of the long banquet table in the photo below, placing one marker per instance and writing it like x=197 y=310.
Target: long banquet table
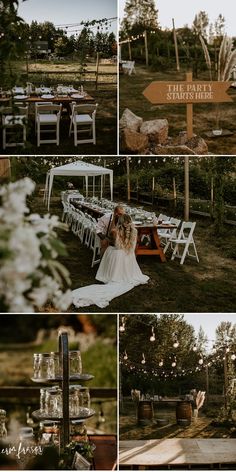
x=153 y=247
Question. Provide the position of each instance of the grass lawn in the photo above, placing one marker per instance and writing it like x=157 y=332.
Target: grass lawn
x=205 y=287
x=106 y=118
x=204 y=115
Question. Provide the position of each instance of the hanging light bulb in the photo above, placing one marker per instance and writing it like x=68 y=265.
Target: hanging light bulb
x=152 y=337
x=200 y=361
x=143 y=361
x=173 y=363
x=125 y=356
x=122 y=327
x=227 y=349
x=160 y=363
x=194 y=348
x=176 y=342
x=233 y=357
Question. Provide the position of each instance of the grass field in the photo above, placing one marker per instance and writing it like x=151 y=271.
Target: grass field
x=204 y=115
x=205 y=287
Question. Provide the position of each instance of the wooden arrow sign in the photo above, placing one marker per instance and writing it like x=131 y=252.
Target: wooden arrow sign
x=187 y=92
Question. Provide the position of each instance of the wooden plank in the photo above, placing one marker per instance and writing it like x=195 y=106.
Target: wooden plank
x=177 y=451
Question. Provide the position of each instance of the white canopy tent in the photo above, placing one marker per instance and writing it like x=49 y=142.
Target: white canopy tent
x=81 y=169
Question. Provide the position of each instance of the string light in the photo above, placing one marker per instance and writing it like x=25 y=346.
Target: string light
x=125 y=356
x=161 y=363
x=194 y=348
x=143 y=361
x=176 y=342
x=152 y=337
x=122 y=327
x=233 y=357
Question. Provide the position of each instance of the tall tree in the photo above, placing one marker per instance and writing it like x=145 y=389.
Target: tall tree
x=201 y=23
x=140 y=15
x=10 y=45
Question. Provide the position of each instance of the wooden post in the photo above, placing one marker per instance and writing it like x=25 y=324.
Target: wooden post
x=174 y=192
x=207 y=384
x=176 y=46
x=153 y=189
x=130 y=53
x=189 y=78
x=225 y=378
x=146 y=47
x=128 y=178
x=97 y=69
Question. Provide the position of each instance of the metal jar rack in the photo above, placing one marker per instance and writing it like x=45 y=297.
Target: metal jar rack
x=64 y=382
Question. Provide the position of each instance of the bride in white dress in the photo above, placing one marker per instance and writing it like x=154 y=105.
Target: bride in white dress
x=118 y=270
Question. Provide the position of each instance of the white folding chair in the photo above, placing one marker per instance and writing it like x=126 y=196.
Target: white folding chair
x=185 y=240
x=48 y=121
x=95 y=245
x=14 y=125
x=82 y=120
x=171 y=233
x=129 y=67
x=39 y=104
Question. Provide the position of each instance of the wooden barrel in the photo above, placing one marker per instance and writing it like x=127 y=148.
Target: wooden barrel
x=183 y=413
x=145 y=411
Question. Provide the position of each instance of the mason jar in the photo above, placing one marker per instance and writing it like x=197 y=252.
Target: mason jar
x=75 y=363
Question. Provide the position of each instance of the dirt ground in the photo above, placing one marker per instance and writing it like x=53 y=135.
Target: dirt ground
x=205 y=287
x=202 y=427
x=204 y=115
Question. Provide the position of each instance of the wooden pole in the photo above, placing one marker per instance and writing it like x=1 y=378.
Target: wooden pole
x=186 y=188
x=176 y=46
x=130 y=53
x=153 y=189
x=146 y=47
x=225 y=378
x=128 y=178
x=97 y=70
x=207 y=384
x=189 y=78
x=174 y=192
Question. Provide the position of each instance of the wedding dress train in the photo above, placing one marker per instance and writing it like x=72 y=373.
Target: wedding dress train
x=119 y=272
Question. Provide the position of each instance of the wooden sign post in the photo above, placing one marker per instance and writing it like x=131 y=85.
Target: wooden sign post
x=188 y=92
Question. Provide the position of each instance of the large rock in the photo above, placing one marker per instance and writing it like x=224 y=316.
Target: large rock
x=130 y=120
x=134 y=142
x=180 y=150
x=196 y=143
x=156 y=130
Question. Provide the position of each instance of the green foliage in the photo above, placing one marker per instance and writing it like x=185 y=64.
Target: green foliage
x=100 y=360
x=139 y=15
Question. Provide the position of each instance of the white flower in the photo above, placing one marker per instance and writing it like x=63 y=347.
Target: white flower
x=62 y=301
x=24 y=280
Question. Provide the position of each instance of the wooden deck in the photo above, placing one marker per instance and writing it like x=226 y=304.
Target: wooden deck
x=173 y=453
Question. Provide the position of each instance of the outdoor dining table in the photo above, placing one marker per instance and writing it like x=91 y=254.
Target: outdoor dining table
x=150 y=230
x=57 y=99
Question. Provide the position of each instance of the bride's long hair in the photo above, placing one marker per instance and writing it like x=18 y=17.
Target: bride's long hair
x=126 y=233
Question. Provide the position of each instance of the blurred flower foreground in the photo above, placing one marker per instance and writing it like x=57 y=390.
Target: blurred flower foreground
x=30 y=274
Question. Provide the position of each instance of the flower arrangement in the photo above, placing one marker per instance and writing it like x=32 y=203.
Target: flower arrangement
x=30 y=274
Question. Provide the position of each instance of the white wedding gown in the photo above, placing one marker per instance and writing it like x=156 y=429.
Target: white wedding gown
x=120 y=273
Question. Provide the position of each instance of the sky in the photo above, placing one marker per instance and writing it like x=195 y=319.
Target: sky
x=184 y=11
x=68 y=11
x=208 y=321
